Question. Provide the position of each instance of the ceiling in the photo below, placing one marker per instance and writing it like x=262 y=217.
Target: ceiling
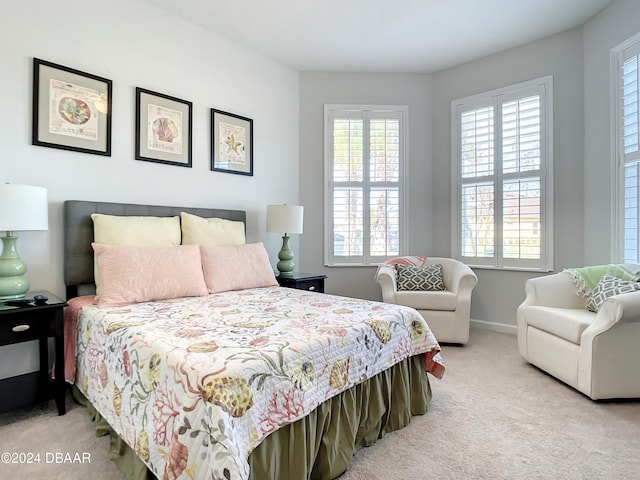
x=382 y=35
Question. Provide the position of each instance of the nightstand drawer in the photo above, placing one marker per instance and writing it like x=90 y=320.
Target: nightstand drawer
x=303 y=281
x=311 y=285
x=22 y=328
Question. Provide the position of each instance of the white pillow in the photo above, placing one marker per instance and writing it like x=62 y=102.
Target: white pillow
x=235 y=267
x=210 y=231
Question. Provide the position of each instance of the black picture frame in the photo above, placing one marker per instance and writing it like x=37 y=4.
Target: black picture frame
x=71 y=109
x=231 y=143
x=164 y=128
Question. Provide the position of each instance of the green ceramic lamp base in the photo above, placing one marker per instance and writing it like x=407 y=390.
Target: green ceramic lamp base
x=13 y=283
x=285 y=265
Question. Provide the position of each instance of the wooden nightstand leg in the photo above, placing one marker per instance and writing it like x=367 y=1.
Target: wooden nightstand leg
x=44 y=381
x=59 y=382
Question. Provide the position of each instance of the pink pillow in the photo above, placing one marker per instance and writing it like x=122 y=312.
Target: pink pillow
x=142 y=274
x=234 y=267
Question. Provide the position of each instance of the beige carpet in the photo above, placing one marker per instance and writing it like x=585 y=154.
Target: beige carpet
x=492 y=417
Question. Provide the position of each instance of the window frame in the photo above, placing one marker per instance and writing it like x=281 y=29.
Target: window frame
x=496 y=98
x=366 y=259
x=618 y=55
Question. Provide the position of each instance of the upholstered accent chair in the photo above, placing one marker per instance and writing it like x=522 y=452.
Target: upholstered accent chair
x=446 y=307
x=595 y=352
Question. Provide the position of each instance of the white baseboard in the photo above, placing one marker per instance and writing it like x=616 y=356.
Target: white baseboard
x=496 y=327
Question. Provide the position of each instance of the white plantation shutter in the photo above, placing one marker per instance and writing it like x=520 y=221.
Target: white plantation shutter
x=521 y=219
x=521 y=201
x=478 y=237
x=630 y=107
x=501 y=159
x=627 y=119
x=364 y=161
x=521 y=135
x=477 y=195
x=477 y=142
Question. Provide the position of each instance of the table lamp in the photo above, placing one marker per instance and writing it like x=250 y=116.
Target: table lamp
x=285 y=219
x=22 y=207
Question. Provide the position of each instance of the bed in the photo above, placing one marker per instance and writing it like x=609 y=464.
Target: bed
x=238 y=381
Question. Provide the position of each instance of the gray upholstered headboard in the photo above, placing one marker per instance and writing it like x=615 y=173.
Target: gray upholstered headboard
x=78 y=232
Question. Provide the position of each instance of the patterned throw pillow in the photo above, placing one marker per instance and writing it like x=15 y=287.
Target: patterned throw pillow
x=609 y=286
x=426 y=277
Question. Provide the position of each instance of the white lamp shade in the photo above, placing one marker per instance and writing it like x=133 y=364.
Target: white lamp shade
x=285 y=218
x=23 y=207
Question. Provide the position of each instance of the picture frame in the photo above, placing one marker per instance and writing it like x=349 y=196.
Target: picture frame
x=231 y=143
x=164 y=127
x=71 y=109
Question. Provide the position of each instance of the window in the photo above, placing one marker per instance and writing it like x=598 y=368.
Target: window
x=501 y=149
x=626 y=151
x=364 y=158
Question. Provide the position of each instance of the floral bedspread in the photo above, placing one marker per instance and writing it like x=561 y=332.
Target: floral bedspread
x=195 y=384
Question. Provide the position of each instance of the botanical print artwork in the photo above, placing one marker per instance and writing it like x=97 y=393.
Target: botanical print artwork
x=72 y=111
x=164 y=129
x=193 y=385
x=232 y=144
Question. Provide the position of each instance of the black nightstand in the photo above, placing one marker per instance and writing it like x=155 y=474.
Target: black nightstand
x=34 y=322
x=303 y=281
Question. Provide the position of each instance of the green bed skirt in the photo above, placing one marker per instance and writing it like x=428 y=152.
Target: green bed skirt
x=319 y=446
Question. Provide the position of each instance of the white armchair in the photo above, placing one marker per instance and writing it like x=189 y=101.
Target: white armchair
x=446 y=312
x=598 y=354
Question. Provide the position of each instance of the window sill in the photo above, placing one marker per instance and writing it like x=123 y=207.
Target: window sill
x=509 y=269
x=351 y=265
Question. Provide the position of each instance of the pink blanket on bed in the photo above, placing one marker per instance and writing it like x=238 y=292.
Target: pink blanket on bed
x=71 y=332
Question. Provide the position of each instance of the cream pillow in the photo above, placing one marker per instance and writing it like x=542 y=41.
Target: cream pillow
x=136 y=231
x=131 y=274
x=235 y=267
x=211 y=231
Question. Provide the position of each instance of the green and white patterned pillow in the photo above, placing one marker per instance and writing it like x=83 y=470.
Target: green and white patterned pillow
x=608 y=286
x=425 y=277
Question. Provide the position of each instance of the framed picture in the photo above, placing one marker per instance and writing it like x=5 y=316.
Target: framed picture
x=163 y=128
x=231 y=143
x=71 y=109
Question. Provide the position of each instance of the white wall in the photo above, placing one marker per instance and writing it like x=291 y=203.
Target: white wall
x=606 y=30
x=135 y=44
x=429 y=99
x=317 y=89
x=498 y=293
x=578 y=59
